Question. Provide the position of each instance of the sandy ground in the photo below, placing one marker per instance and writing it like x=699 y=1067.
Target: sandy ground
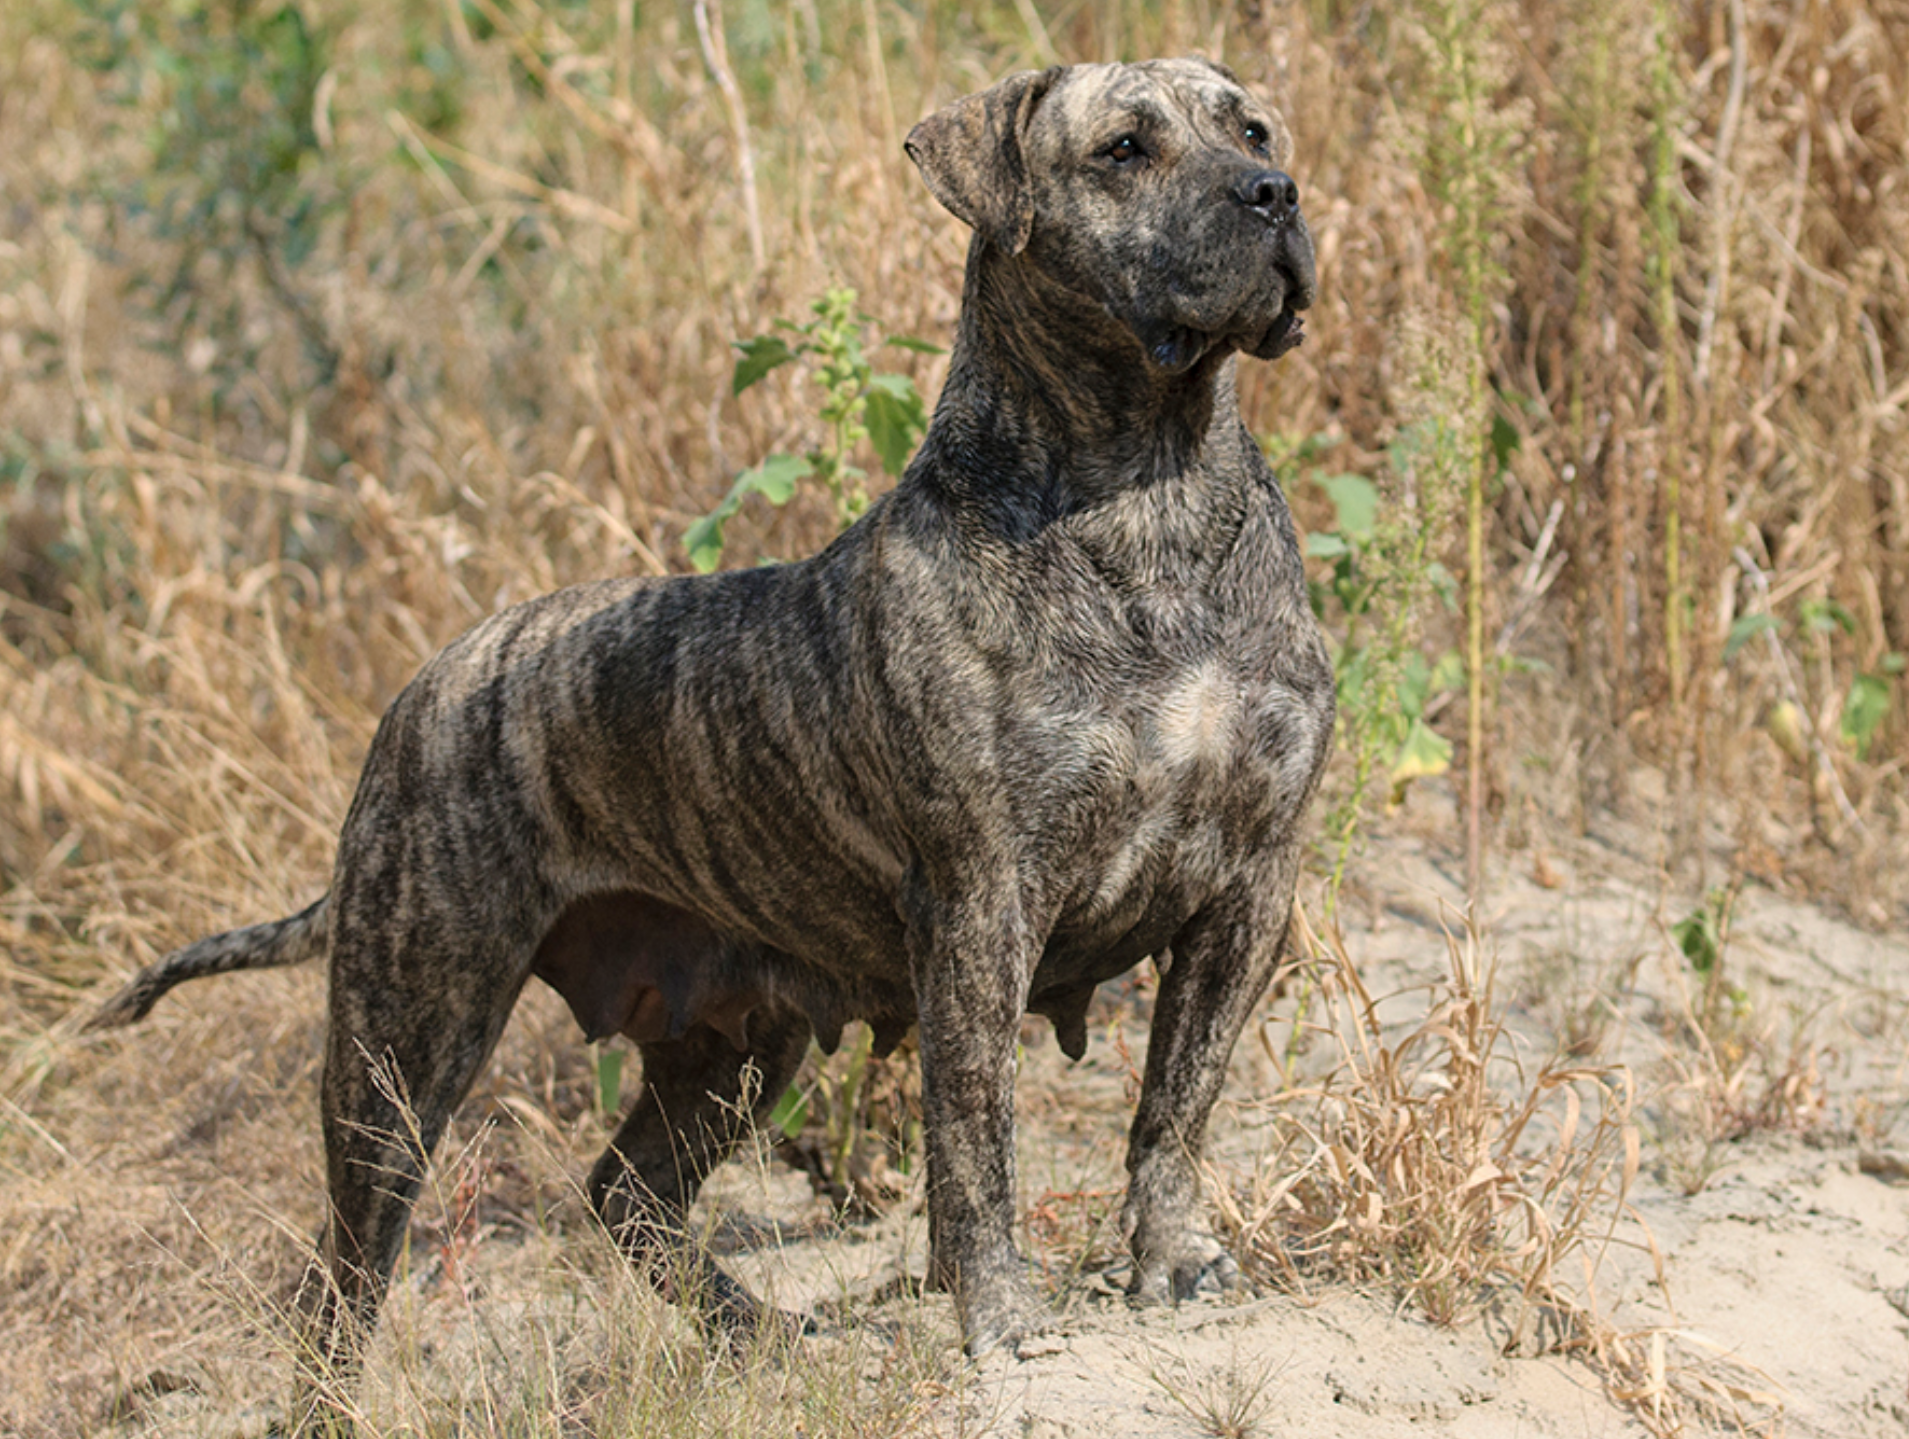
x=1784 y=1248
x=1786 y=1293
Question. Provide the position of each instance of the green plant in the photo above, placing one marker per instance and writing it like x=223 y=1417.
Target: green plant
x=232 y=147
x=1735 y=1072
x=1702 y=937
x=606 y=1064
x=1736 y=1077
x=855 y=1119
x=858 y=403
x=1382 y=571
x=1865 y=704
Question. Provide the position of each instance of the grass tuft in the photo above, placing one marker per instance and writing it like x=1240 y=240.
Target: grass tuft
x=1431 y=1160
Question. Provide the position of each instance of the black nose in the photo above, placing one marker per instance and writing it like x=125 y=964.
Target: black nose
x=1270 y=194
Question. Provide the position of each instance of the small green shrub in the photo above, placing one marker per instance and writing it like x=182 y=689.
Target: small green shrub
x=858 y=403
x=233 y=150
x=1383 y=572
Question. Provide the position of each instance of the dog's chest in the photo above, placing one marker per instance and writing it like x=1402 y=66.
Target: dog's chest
x=1157 y=795
x=1193 y=729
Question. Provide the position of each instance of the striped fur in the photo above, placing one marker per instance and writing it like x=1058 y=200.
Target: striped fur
x=297 y=939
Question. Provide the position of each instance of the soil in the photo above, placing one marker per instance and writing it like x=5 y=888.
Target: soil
x=1760 y=1271
x=1783 y=1237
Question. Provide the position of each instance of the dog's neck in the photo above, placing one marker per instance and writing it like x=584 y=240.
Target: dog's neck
x=1039 y=367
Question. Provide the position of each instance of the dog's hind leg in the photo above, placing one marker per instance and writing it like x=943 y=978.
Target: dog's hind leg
x=402 y=1052
x=699 y=1099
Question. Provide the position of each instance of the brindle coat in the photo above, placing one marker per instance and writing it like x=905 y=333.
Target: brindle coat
x=1054 y=705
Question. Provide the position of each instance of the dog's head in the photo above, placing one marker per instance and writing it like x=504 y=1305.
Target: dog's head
x=1156 y=190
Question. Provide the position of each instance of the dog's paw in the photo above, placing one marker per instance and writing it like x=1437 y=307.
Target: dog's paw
x=733 y=1317
x=1003 y=1317
x=1197 y=1262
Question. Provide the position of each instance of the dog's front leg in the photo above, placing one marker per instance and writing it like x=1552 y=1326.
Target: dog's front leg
x=1220 y=966
x=971 y=960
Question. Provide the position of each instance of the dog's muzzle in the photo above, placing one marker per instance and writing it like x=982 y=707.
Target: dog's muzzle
x=1273 y=197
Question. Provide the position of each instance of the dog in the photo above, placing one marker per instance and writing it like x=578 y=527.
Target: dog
x=1055 y=704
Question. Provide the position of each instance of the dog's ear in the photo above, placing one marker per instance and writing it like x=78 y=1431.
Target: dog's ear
x=970 y=155
x=1223 y=71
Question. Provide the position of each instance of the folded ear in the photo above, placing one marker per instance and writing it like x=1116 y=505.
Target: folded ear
x=970 y=155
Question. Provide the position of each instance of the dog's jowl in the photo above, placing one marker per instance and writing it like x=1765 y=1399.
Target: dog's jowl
x=1054 y=705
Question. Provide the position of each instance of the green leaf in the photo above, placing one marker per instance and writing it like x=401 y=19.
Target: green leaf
x=609 y=1080
x=909 y=342
x=791 y=1112
x=1864 y=709
x=1354 y=594
x=1827 y=615
x=1700 y=939
x=1425 y=753
x=1355 y=500
x=774 y=479
x=759 y=357
x=704 y=540
x=1327 y=545
x=1354 y=664
x=1287 y=449
x=1746 y=628
x=1316 y=597
x=896 y=419
x=1504 y=441
x=1414 y=683
x=896 y=387
x=1449 y=672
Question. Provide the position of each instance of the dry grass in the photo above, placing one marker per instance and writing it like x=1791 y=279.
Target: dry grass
x=498 y=1328
x=471 y=342
x=1233 y=1403
x=1733 y=1065
x=1429 y=1160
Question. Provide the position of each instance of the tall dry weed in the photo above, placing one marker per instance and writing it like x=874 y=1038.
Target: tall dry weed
x=1428 y=1158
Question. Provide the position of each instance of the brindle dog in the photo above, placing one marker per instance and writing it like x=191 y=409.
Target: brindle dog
x=1054 y=705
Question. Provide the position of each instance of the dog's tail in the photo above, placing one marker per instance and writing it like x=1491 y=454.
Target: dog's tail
x=294 y=940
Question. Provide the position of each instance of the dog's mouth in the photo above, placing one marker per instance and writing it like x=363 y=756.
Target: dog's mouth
x=1287 y=332
x=1183 y=330
x=1174 y=349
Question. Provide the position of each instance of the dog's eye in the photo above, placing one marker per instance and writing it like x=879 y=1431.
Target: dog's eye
x=1125 y=151
x=1257 y=135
